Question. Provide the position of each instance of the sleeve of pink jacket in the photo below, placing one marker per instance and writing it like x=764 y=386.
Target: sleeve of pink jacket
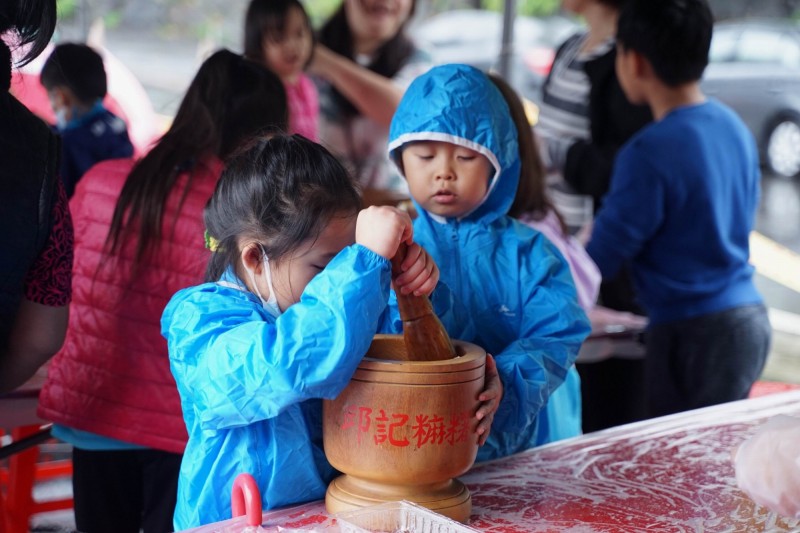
x=584 y=272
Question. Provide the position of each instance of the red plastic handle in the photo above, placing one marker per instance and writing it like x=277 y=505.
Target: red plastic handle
x=246 y=499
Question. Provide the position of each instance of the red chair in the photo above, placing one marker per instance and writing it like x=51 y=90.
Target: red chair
x=17 y=480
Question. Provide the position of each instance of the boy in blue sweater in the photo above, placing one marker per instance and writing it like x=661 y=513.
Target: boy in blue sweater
x=681 y=206
x=75 y=80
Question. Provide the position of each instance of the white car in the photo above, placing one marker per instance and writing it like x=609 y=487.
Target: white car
x=755 y=69
x=474 y=37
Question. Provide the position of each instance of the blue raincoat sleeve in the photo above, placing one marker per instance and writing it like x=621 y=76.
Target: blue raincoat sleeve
x=553 y=326
x=240 y=366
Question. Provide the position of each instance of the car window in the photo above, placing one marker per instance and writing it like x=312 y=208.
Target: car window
x=764 y=46
x=790 y=51
x=460 y=28
x=723 y=45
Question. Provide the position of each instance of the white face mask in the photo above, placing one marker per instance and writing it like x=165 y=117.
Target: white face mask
x=270 y=304
x=61 y=119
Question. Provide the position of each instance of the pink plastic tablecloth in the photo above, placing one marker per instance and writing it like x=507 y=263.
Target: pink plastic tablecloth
x=668 y=474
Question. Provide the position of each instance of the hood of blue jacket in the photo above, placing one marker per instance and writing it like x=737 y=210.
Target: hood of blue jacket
x=460 y=104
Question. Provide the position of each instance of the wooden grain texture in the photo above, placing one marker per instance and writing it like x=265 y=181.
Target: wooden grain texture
x=423 y=332
x=405 y=429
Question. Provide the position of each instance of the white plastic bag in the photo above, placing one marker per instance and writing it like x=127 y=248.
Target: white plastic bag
x=768 y=465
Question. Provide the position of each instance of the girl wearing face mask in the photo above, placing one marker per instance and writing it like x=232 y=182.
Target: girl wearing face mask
x=277 y=33
x=298 y=286
x=138 y=240
x=362 y=64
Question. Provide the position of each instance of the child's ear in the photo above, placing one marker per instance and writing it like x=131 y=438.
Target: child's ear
x=64 y=97
x=642 y=68
x=251 y=257
x=56 y=96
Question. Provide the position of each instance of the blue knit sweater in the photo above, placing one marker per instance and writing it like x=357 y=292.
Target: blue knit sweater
x=681 y=207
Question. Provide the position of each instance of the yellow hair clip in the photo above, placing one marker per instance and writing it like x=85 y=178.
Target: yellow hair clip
x=211 y=243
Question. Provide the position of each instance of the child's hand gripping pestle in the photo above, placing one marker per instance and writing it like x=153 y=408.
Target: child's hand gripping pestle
x=424 y=335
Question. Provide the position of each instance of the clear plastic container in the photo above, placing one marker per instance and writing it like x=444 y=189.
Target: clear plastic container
x=397 y=517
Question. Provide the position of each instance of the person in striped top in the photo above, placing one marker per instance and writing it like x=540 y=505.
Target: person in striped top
x=584 y=120
x=584 y=116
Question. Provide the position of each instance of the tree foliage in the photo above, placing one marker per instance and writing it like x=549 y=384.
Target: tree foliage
x=534 y=8
x=194 y=16
x=524 y=7
x=66 y=8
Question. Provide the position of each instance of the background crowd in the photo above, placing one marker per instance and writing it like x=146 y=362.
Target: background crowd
x=634 y=192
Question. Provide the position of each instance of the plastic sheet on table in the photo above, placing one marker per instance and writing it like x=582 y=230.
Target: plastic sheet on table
x=301 y=519
x=397 y=517
x=327 y=527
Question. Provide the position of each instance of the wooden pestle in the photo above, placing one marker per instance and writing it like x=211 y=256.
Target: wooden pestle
x=424 y=335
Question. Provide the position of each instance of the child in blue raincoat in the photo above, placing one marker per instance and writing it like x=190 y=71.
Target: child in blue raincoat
x=300 y=286
x=454 y=141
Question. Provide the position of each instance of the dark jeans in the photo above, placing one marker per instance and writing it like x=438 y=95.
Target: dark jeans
x=124 y=490
x=705 y=360
x=613 y=389
x=618 y=293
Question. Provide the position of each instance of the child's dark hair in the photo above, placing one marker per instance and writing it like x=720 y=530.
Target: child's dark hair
x=531 y=195
x=229 y=100
x=279 y=192
x=78 y=68
x=267 y=18
x=673 y=35
x=616 y=4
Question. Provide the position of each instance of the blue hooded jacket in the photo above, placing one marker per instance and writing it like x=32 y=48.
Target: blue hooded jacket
x=250 y=384
x=514 y=292
x=86 y=140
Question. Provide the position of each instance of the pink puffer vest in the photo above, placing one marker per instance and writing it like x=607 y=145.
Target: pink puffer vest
x=112 y=376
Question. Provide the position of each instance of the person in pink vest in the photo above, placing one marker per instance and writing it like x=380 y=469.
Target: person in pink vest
x=138 y=240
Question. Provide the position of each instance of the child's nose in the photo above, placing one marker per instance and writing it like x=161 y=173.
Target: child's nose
x=445 y=172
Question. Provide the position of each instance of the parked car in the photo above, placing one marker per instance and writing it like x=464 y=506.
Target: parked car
x=474 y=37
x=755 y=69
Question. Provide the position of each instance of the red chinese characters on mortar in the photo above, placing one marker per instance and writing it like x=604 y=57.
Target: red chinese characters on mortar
x=425 y=429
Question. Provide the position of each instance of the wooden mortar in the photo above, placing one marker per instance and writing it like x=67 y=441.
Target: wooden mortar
x=404 y=427
x=403 y=430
